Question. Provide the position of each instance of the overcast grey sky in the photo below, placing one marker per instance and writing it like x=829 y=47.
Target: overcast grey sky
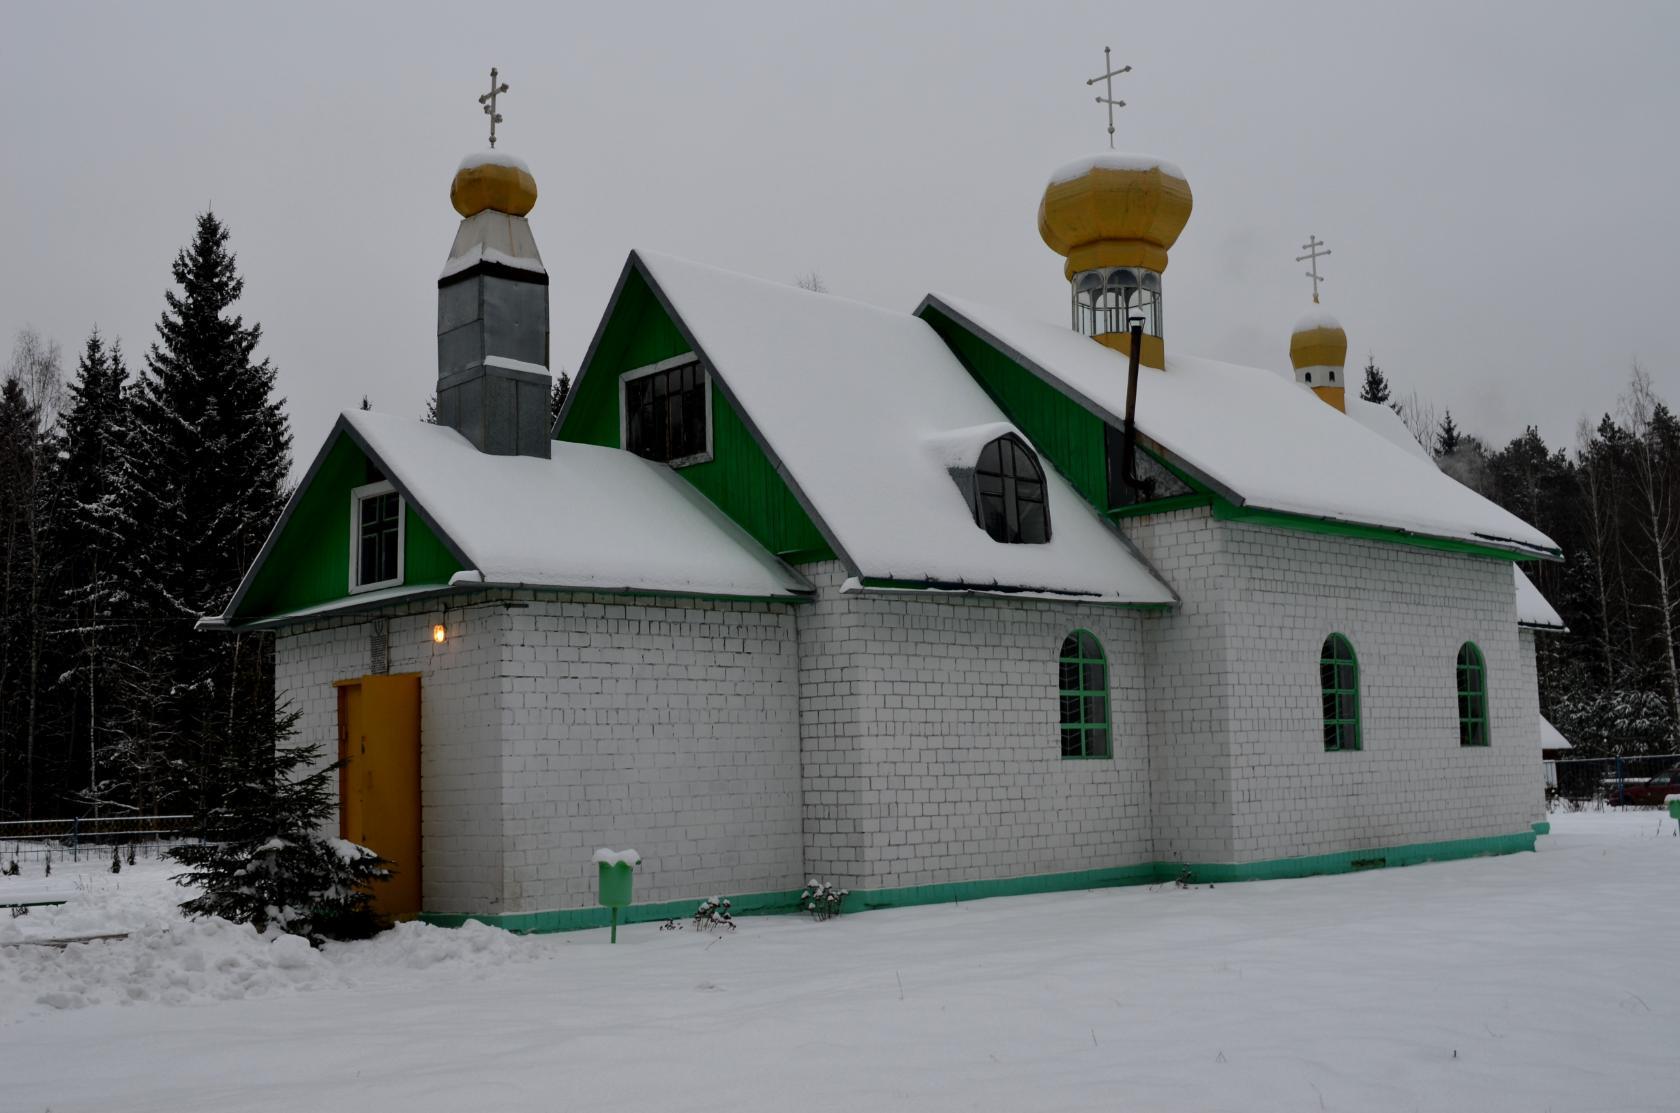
x=1497 y=182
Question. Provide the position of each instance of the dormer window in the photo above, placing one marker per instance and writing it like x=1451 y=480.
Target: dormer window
x=376 y=537
x=1009 y=495
x=666 y=412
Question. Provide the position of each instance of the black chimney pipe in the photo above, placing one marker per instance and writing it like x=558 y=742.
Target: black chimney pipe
x=1128 y=443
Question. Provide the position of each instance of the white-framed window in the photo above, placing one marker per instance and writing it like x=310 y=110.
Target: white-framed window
x=377 y=533
x=665 y=411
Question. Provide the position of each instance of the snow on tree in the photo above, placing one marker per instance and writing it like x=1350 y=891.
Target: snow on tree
x=264 y=860
x=205 y=416
x=93 y=528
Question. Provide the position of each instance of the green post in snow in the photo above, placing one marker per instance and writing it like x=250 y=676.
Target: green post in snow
x=616 y=871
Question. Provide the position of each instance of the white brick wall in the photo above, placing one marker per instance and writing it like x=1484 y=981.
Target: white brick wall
x=671 y=727
x=1528 y=689
x=1259 y=604
x=931 y=746
x=460 y=750
x=555 y=725
x=884 y=740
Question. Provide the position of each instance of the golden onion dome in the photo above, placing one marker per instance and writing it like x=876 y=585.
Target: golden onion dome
x=1318 y=341
x=1114 y=210
x=493 y=180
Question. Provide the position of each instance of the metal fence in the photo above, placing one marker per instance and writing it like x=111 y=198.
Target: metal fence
x=1617 y=781
x=72 y=840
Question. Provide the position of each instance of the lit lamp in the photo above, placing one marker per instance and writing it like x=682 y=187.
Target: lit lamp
x=438 y=633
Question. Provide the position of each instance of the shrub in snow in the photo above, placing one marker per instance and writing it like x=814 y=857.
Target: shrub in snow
x=714 y=912
x=11 y=869
x=821 y=899
x=264 y=861
x=116 y=860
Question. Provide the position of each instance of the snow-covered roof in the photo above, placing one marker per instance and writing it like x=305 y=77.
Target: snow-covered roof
x=563 y=522
x=587 y=517
x=1385 y=423
x=1551 y=738
x=861 y=410
x=1257 y=438
x=1532 y=608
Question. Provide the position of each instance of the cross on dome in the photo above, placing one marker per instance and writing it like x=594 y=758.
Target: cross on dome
x=488 y=100
x=1312 y=252
x=1107 y=78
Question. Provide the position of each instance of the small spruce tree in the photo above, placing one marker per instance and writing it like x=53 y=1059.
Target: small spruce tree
x=1376 y=383
x=263 y=860
x=557 y=393
x=1447 y=436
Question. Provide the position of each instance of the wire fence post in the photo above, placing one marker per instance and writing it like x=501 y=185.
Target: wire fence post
x=75 y=838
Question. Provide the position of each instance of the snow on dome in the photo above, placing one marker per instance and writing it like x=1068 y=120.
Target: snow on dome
x=605 y=857
x=1317 y=317
x=1114 y=160
x=492 y=158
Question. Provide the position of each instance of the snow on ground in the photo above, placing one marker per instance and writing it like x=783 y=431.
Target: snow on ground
x=1530 y=982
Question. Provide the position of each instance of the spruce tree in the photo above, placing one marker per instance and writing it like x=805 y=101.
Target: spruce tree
x=1447 y=436
x=1376 y=383
x=557 y=392
x=18 y=434
x=212 y=446
x=93 y=530
x=264 y=861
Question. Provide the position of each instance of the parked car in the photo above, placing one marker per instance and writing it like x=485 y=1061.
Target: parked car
x=1643 y=792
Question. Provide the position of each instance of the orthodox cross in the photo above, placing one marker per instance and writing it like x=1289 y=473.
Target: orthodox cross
x=1312 y=248
x=1107 y=78
x=488 y=100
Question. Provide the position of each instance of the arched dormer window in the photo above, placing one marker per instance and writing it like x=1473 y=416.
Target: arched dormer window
x=1009 y=496
x=1472 y=696
x=1338 y=679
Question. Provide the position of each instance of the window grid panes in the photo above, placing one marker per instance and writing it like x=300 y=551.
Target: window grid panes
x=665 y=414
x=1472 y=697
x=1338 y=678
x=1084 y=697
x=378 y=539
x=1009 y=501
x=1106 y=300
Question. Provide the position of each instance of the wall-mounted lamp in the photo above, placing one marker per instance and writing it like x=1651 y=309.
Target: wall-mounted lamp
x=439 y=633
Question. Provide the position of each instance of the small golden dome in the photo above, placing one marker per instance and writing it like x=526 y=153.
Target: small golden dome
x=492 y=180
x=1114 y=210
x=1318 y=341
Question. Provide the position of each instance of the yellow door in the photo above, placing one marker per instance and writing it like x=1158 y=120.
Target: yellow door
x=379 y=782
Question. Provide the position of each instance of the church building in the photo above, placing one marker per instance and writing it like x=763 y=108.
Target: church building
x=931 y=604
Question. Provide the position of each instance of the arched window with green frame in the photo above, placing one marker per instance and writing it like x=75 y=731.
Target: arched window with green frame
x=1472 y=696
x=1083 y=685
x=1338 y=679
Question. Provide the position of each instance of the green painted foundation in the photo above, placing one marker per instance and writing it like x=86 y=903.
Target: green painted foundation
x=1544 y=827
x=786 y=901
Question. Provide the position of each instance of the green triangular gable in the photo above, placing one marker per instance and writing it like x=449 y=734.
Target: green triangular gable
x=739 y=479
x=307 y=563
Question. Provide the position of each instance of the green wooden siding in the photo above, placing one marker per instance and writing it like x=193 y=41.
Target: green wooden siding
x=310 y=562
x=738 y=478
x=1063 y=430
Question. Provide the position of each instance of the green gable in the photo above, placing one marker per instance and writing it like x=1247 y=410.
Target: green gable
x=1074 y=439
x=309 y=562
x=739 y=478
